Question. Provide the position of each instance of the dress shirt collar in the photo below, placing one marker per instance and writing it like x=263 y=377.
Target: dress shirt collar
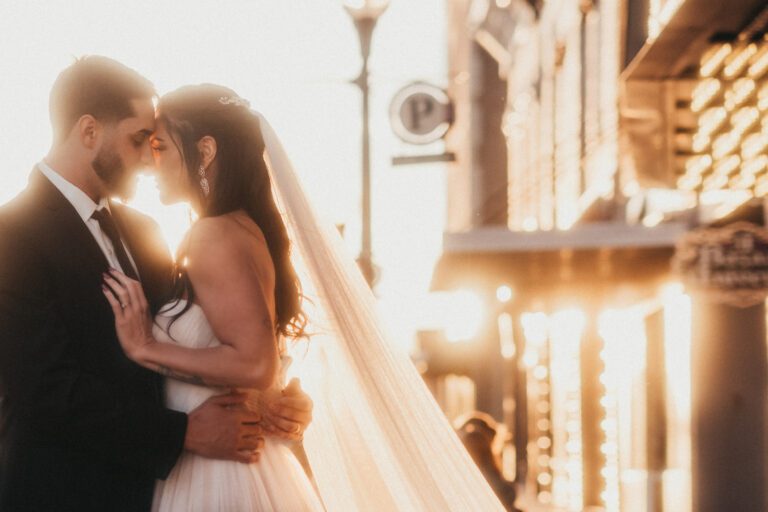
x=84 y=205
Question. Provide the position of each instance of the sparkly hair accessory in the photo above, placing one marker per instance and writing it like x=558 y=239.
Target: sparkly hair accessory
x=235 y=100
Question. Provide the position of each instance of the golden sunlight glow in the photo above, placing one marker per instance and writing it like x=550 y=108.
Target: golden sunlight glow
x=174 y=221
x=301 y=84
x=460 y=313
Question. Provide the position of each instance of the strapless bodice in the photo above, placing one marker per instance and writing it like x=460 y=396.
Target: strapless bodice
x=189 y=330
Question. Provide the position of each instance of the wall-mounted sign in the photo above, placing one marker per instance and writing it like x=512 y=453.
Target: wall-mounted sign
x=421 y=113
x=729 y=264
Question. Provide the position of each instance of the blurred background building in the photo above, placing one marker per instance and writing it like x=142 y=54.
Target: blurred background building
x=590 y=137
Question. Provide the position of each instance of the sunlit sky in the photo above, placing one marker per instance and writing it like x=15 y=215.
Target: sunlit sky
x=293 y=59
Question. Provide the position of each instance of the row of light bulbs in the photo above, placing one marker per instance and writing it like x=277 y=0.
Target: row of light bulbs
x=557 y=383
x=731 y=101
x=610 y=445
x=543 y=435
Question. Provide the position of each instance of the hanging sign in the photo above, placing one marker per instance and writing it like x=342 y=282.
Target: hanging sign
x=728 y=264
x=420 y=113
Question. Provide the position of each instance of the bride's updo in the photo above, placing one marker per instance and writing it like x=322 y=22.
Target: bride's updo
x=242 y=181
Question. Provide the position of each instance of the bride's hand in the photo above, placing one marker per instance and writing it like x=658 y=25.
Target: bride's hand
x=132 y=320
x=285 y=413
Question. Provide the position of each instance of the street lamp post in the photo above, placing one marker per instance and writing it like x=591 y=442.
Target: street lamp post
x=365 y=14
x=509 y=406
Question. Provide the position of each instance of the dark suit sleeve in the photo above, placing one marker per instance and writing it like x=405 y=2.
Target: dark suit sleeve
x=48 y=391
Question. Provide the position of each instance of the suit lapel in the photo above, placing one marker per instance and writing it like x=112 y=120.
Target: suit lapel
x=64 y=220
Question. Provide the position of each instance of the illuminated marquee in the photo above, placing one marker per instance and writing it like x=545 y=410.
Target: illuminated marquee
x=731 y=103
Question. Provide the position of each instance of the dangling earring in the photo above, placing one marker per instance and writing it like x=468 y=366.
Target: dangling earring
x=204 y=181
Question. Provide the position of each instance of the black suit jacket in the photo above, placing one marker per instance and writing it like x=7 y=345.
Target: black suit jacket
x=81 y=426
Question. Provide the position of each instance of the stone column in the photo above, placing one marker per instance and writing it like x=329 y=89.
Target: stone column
x=728 y=426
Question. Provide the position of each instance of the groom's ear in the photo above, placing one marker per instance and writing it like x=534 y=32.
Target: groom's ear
x=88 y=130
x=207 y=148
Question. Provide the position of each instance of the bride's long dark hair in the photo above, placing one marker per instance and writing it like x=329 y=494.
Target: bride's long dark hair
x=242 y=182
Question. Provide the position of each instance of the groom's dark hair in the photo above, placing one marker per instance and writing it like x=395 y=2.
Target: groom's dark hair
x=95 y=85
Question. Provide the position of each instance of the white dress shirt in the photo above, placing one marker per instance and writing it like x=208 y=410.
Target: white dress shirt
x=85 y=207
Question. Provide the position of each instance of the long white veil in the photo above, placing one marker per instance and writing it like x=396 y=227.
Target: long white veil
x=378 y=440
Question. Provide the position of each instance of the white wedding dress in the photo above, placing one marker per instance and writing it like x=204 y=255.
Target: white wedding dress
x=378 y=441
x=196 y=484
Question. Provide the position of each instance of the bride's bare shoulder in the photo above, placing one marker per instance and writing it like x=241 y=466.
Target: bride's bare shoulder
x=232 y=238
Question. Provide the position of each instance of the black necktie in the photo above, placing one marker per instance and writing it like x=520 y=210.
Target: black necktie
x=109 y=228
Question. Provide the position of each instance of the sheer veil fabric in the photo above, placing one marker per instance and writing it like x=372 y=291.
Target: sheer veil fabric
x=378 y=440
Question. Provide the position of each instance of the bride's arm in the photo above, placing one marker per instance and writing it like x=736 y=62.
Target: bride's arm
x=228 y=278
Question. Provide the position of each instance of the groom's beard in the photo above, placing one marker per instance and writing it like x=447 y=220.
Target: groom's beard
x=110 y=169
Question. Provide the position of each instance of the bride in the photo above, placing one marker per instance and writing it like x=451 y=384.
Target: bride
x=378 y=440
x=234 y=298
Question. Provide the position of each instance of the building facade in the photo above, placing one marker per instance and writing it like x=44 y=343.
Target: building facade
x=591 y=138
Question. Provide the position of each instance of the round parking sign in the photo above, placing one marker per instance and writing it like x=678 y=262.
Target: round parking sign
x=421 y=113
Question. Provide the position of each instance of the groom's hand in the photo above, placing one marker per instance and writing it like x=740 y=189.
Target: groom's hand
x=223 y=428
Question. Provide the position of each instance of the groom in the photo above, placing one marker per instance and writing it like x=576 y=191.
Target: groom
x=83 y=428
